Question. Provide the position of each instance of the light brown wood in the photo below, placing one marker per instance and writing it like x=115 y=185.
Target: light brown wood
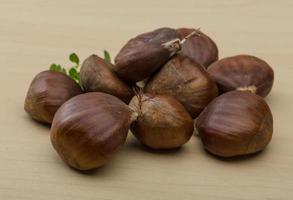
x=35 y=33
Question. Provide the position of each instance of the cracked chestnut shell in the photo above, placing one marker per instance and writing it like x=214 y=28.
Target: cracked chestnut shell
x=96 y=75
x=235 y=123
x=89 y=129
x=186 y=81
x=162 y=122
x=242 y=71
x=144 y=54
x=47 y=92
x=201 y=49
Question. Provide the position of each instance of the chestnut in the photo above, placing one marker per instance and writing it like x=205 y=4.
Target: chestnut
x=235 y=123
x=88 y=129
x=162 y=122
x=243 y=72
x=201 y=49
x=47 y=92
x=96 y=75
x=186 y=81
x=146 y=53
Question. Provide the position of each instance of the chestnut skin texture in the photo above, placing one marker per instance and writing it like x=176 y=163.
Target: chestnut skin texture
x=97 y=75
x=89 y=128
x=186 y=81
x=242 y=71
x=144 y=54
x=201 y=49
x=47 y=92
x=162 y=122
x=235 y=123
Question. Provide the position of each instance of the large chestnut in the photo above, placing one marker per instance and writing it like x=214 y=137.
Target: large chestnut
x=186 y=81
x=47 y=92
x=97 y=75
x=243 y=72
x=201 y=49
x=162 y=122
x=146 y=53
x=235 y=123
x=89 y=128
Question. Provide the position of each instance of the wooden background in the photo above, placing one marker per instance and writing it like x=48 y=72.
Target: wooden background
x=35 y=33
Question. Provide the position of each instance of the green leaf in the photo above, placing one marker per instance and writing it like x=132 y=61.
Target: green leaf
x=55 y=67
x=74 y=74
x=107 y=56
x=74 y=58
x=64 y=71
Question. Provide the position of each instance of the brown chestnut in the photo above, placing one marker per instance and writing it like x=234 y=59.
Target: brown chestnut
x=47 y=92
x=162 y=122
x=89 y=128
x=146 y=53
x=201 y=49
x=96 y=75
x=243 y=72
x=186 y=81
x=235 y=123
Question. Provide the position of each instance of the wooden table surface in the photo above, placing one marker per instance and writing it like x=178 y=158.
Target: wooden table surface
x=35 y=33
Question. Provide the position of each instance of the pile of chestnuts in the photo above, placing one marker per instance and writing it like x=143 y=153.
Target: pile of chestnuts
x=182 y=86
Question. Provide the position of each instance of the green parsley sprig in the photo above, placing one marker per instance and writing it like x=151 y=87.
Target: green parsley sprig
x=73 y=71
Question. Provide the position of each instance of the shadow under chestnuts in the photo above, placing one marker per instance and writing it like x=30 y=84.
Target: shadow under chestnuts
x=92 y=110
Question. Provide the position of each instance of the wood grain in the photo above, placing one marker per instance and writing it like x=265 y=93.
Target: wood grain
x=35 y=33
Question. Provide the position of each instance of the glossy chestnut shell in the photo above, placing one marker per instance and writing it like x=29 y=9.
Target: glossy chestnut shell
x=242 y=71
x=162 y=122
x=89 y=128
x=97 y=75
x=144 y=54
x=186 y=81
x=201 y=49
x=47 y=92
x=235 y=123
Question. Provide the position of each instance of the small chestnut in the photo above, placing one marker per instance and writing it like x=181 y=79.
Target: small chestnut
x=97 y=75
x=201 y=49
x=235 y=123
x=162 y=122
x=47 y=92
x=146 y=53
x=242 y=72
x=88 y=129
x=186 y=81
